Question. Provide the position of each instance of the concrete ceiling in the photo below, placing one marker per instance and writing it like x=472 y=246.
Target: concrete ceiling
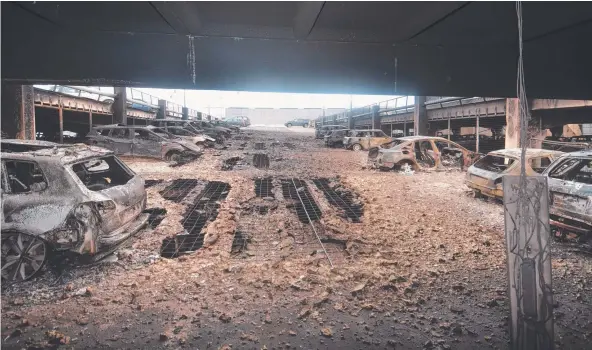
x=420 y=48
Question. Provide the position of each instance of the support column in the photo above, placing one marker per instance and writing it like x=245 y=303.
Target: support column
x=18 y=111
x=89 y=120
x=512 y=123
x=477 y=133
x=185 y=112
x=120 y=106
x=161 y=114
x=449 y=131
x=61 y=121
x=404 y=128
x=420 y=117
x=376 y=124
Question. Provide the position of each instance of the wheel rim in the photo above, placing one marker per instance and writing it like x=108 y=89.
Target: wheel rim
x=357 y=148
x=22 y=257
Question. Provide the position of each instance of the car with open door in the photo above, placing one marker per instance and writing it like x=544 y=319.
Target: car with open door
x=79 y=198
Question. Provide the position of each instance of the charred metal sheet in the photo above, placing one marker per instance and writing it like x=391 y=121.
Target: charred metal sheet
x=341 y=198
x=294 y=189
x=232 y=162
x=178 y=190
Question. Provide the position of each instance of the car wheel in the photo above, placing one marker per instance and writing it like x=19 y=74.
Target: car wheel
x=304 y=126
x=357 y=147
x=289 y=125
x=173 y=156
x=23 y=256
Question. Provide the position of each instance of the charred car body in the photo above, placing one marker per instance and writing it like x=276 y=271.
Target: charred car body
x=322 y=130
x=184 y=133
x=421 y=152
x=570 y=194
x=189 y=126
x=335 y=137
x=143 y=141
x=358 y=140
x=485 y=176
x=80 y=198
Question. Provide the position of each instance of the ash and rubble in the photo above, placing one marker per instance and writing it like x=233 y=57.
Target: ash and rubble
x=423 y=268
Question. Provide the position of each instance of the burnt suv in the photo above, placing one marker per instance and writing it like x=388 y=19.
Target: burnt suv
x=143 y=141
x=79 y=198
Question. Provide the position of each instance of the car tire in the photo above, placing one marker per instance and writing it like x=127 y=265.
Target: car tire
x=357 y=147
x=23 y=256
x=173 y=156
x=289 y=125
x=304 y=126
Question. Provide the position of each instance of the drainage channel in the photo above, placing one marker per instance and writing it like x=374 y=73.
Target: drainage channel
x=178 y=190
x=204 y=209
x=340 y=198
x=264 y=187
x=298 y=192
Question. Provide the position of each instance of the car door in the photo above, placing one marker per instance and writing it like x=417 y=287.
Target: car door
x=122 y=141
x=147 y=144
x=101 y=138
x=425 y=155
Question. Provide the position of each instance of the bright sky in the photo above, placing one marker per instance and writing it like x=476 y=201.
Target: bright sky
x=202 y=99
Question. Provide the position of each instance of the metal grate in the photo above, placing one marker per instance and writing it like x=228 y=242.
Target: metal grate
x=204 y=209
x=341 y=198
x=156 y=216
x=261 y=161
x=178 y=190
x=303 y=202
x=264 y=187
x=150 y=183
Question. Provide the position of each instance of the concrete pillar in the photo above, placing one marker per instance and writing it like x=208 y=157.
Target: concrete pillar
x=18 y=111
x=61 y=122
x=185 y=112
x=120 y=106
x=90 y=121
x=449 y=131
x=199 y=116
x=477 y=134
x=420 y=117
x=161 y=114
x=376 y=123
x=404 y=128
x=350 y=120
x=512 y=123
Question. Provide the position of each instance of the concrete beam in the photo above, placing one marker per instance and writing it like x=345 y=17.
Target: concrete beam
x=538 y=104
x=306 y=17
x=420 y=116
x=120 y=106
x=18 y=111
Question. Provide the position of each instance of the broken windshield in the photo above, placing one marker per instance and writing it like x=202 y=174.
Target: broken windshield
x=101 y=173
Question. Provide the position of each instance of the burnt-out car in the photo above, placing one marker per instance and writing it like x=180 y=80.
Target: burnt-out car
x=485 y=176
x=334 y=138
x=570 y=194
x=80 y=198
x=358 y=140
x=421 y=152
x=190 y=125
x=184 y=133
x=143 y=141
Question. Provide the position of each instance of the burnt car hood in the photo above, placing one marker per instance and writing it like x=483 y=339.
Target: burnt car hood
x=189 y=146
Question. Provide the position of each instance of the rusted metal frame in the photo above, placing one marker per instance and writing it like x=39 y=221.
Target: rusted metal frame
x=311 y=223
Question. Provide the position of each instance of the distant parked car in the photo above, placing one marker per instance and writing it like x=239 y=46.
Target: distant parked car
x=143 y=141
x=64 y=198
x=239 y=121
x=570 y=190
x=358 y=140
x=298 y=122
x=189 y=125
x=485 y=176
x=334 y=138
x=421 y=152
x=322 y=130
